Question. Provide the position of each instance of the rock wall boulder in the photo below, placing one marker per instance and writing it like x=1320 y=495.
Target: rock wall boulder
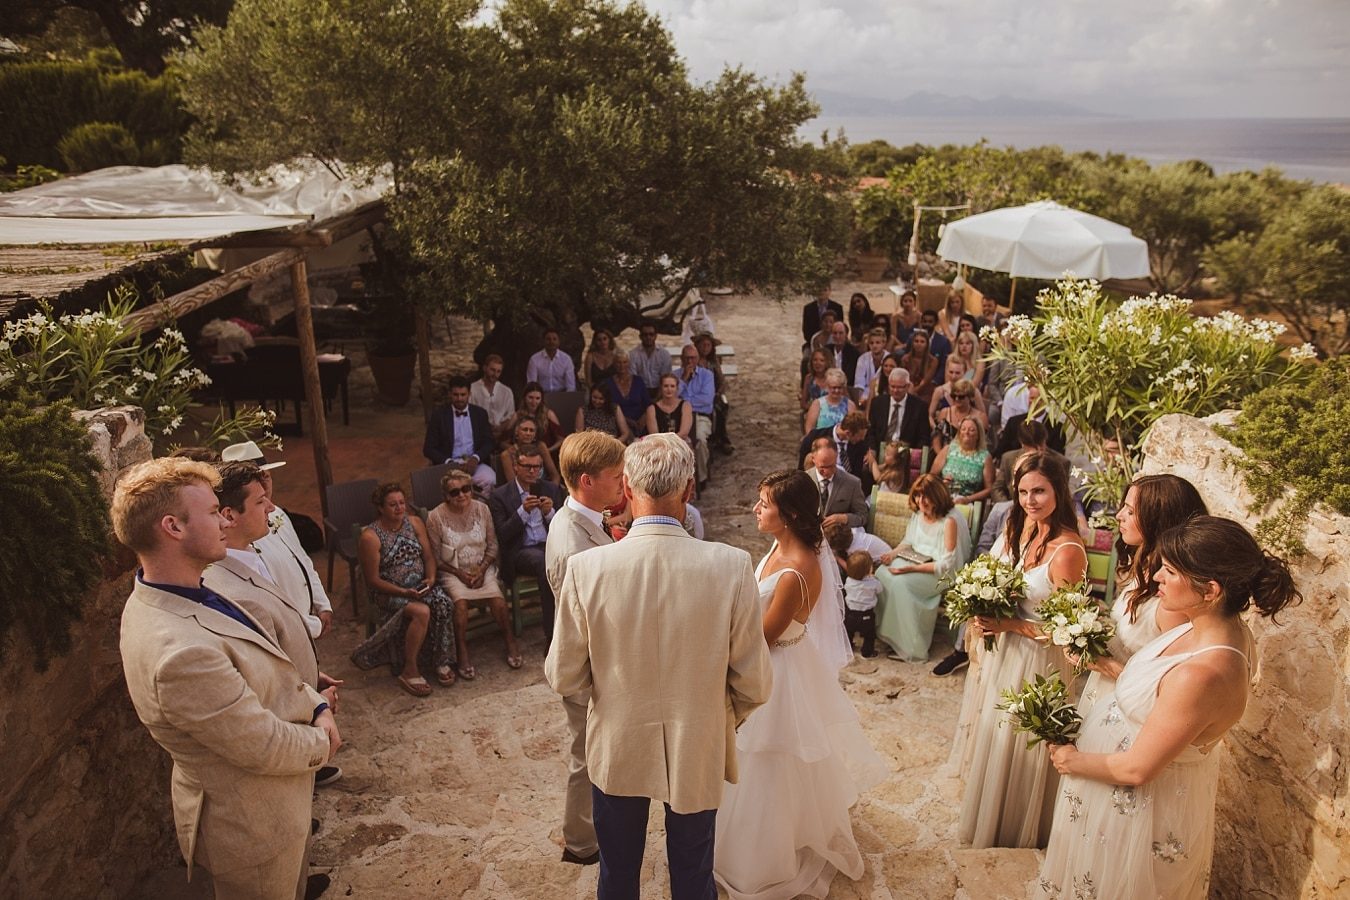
x=1283 y=819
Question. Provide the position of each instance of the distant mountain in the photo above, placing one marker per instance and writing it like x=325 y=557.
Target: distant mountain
x=927 y=104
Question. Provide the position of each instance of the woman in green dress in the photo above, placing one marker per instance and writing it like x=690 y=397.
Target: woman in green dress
x=937 y=543
x=965 y=464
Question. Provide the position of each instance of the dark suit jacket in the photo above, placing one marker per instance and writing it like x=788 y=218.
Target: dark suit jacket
x=914 y=428
x=440 y=441
x=811 y=317
x=856 y=452
x=1007 y=439
x=850 y=363
x=503 y=502
x=846 y=496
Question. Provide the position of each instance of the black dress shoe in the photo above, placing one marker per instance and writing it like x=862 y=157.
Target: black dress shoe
x=570 y=857
x=957 y=659
x=315 y=885
x=327 y=775
x=313 y=826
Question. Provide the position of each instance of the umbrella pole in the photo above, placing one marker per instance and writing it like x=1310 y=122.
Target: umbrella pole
x=1012 y=298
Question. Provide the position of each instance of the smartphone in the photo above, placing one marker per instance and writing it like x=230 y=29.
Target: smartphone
x=423 y=590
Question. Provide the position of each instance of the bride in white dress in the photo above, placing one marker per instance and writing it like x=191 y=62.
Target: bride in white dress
x=1010 y=790
x=1153 y=504
x=784 y=830
x=1134 y=819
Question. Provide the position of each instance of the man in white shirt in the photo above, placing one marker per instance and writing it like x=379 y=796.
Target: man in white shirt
x=648 y=361
x=552 y=368
x=492 y=396
x=869 y=365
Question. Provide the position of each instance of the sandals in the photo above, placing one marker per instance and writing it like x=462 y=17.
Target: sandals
x=417 y=685
x=515 y=661
x=468 y=673
x=445 y=676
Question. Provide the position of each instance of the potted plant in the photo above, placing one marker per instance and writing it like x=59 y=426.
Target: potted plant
x=390 y=352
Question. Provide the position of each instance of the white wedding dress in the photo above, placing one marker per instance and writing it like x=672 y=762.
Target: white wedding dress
x=784 y=830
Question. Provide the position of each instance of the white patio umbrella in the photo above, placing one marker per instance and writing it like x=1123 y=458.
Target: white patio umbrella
x=1045 y=240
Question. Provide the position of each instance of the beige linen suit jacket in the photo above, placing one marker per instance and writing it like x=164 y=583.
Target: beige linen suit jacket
x=234 y=714
x=266 y=601
x=293 y=571
x=667 y=633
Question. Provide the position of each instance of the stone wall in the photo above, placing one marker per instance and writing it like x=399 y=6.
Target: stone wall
x=84 y=807
x=1282 y=826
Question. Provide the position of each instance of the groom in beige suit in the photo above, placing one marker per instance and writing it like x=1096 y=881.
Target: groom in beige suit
x=216 y=691
x=591 y=465
x=666 y=632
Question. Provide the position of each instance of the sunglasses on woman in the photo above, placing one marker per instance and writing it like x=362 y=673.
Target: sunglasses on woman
x=455 y=492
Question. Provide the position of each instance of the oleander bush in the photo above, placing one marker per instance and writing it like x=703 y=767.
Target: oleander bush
x=1295 y=440
x=54 y=519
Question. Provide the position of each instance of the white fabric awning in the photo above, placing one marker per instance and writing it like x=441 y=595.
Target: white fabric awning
x=133 y=204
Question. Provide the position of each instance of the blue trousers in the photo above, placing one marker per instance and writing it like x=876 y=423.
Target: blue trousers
x=621 y=827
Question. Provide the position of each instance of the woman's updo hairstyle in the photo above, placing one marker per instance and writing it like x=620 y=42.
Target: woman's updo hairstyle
x=798 y=502
x=1210 y=548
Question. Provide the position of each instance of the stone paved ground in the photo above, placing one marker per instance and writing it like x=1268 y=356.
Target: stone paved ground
x=460 y=794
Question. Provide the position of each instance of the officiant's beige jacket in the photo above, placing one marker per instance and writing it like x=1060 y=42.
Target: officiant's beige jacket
x=667 y=633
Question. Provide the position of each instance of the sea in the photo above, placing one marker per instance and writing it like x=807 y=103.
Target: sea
x=1310 y=149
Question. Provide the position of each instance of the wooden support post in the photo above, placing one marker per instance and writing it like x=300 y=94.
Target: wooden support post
x=168 y=310
x=1012 y=297
x=424 y=361
x=309 y=370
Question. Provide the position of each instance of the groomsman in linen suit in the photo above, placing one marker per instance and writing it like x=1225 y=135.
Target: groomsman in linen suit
x=591 y=465
x=666 y=632
x=216 y=691
x=841 y=495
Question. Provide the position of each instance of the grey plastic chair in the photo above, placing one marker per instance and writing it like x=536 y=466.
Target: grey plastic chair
x=348 y=505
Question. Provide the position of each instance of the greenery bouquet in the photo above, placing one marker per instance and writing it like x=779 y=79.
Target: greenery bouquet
x=1042 y=709
x=985 y=586
x=1074 y=620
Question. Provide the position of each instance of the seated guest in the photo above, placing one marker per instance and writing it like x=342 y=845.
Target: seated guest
x=525 y=434
x=521 y=511
x=836 y=404
x=910 y=585
x=597 y=363
x=859 y=316
x=922 y=366
x=532 y=406
x=849 y=438
x=843 y=355
x=1031 y=435
x=990 y=317
x=706 y=345
x=400 y=569
x=965 y=463
x=877 y=389
x=460 y=433
x=905 y=320
x=494 y=397
x=670 y=413
x=869 y=364
x=938 y=343
x=813 y=382
x=943 y=394
x=967 y=351
x=962 y=398
x=823 y=338
x=602 y=414
x=897 y=416
x=891 y=474
x=860 y=602
x=841 y=495
x=949 y=318
x=465 y=546
x=648 y=361
x=1008 y=440
x=699 y=388
x=628 y=392
x=552 y=368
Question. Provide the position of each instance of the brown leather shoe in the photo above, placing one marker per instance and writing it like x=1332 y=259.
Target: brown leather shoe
x=570 y=857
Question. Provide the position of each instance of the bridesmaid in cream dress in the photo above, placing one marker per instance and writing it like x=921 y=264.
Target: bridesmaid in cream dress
x=1135 y=815
x=1010 y=790
x=1153 y=504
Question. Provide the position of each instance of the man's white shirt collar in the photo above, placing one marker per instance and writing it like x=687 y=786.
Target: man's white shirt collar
x=252 y=559
x=598 y=519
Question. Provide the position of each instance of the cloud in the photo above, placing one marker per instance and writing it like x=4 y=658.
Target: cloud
x=1151 y=58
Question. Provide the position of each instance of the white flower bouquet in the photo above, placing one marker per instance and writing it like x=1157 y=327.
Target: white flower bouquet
x=1074 y=620
x=985 y=586
x=1043 y=710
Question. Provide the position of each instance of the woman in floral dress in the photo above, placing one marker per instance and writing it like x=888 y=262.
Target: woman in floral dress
x=1134 y=819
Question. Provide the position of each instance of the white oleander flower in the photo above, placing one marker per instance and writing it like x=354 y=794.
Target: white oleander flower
x=1303 y=353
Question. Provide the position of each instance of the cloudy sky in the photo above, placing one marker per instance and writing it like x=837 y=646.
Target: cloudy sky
x=1148 y=58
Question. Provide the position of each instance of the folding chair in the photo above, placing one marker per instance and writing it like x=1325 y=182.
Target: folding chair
x=348 y=505
x=890 y=516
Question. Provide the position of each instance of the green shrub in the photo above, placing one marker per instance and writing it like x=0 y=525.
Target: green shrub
x=48 y=490
x=96 y=145
x=49 y=99
x=1296 y=436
